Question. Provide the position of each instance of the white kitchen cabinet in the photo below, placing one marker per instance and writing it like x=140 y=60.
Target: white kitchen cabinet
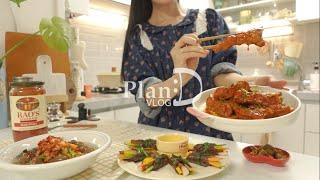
x=307 y=10
x=291 y=138
x=311 y=146
x=128 y=114
x=312 y=118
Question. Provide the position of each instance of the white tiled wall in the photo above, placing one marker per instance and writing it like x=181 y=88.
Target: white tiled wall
x=104 y=50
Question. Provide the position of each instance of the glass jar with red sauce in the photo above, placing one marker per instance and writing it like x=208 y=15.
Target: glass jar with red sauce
x=28 y=108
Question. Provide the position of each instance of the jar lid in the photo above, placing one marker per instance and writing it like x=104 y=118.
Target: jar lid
x=25 y=81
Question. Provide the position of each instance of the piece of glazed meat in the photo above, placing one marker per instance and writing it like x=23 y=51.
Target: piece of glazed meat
x=245 y=97
x=227 y=93
x=221 y=108
x=250 y=37
x=241 y=85
x=247 y=113
x=278 y=110
x=223 y=93
x=241 y=102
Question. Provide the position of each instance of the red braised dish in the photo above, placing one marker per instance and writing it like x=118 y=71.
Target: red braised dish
x=266 y=154
x=240 y=101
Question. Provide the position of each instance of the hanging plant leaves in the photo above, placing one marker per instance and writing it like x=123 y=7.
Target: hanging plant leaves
x=56 y=33
x=18 y=2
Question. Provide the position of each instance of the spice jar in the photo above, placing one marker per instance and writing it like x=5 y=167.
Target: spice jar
x=28 y=108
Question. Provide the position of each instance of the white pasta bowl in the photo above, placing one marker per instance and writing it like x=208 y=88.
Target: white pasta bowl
x=54 y=170
x=246 y=125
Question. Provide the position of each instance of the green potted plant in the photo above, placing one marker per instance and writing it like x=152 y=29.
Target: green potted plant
x=56 y=33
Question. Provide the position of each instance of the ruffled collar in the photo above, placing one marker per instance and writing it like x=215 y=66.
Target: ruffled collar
x=190 y=17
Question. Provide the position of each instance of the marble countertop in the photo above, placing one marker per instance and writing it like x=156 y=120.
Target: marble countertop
x=307 y=95
x=106 y=102
x=299 y=167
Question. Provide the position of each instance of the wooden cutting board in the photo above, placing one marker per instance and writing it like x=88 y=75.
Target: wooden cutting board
x=23 y=59
x=54 y=83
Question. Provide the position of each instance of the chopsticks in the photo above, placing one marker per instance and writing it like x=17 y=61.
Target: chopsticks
x=201 y=40
x=208 y=47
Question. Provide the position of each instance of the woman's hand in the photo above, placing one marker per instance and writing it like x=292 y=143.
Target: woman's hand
x=267 y=81
x=187 y=52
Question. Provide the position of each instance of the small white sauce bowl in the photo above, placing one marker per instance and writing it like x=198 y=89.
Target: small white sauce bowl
x=172 y=143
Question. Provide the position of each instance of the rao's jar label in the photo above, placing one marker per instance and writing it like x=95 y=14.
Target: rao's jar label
x=28 y=112
x=28 y=108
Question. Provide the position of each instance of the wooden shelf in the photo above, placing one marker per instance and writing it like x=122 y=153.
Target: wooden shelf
x=292 y=20
x=257 y=24
x=251 y=5
x=299 y=22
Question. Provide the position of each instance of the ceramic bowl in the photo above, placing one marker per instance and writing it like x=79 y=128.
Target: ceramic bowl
x=265 y=159
x=55 y=170
x=248 y=125
x=172 y=143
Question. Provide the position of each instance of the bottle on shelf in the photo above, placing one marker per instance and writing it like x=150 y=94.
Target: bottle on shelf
x=314 y=77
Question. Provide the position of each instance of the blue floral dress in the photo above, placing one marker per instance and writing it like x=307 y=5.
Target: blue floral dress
x=150 y=62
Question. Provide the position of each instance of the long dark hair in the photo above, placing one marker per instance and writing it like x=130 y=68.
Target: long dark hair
x=140 y=12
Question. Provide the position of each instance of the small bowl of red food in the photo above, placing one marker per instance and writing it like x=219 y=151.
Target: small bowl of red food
x=266 y=154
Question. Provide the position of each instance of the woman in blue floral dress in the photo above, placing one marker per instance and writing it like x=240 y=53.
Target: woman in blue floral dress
x=161 y=38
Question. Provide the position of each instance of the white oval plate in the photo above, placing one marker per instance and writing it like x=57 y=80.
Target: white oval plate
x=167 y=172
x=55 y=170
x=248 y=126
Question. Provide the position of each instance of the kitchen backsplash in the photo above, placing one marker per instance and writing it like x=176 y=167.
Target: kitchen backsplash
x=104 y=50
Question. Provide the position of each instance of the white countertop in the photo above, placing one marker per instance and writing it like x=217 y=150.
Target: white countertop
x=106 y=102
x=299 y=167
x=307 y=95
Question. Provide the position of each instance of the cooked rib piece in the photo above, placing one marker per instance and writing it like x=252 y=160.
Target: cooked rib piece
x=241 y=85
x=226 y=93
x=223 y=109
x=250 y=37
x=223 y=93
x=278 y=110
x=246 y=113
x=245 y=97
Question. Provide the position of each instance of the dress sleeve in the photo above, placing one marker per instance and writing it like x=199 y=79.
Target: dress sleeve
x=224 y=61
x=139 y=75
